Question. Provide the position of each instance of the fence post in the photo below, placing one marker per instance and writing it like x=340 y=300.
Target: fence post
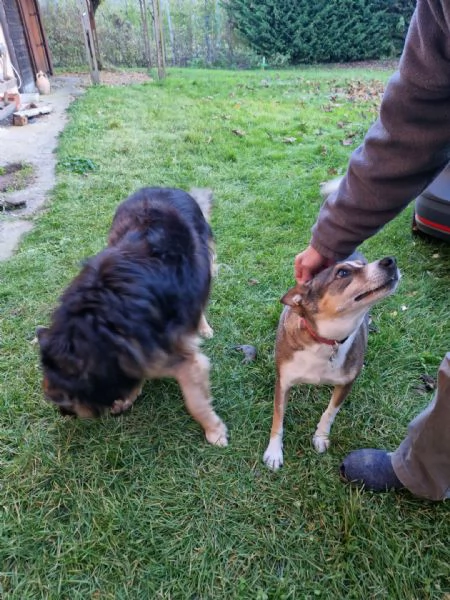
x=85 y=9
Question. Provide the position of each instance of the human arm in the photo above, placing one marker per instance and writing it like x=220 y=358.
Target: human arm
x=403 y=151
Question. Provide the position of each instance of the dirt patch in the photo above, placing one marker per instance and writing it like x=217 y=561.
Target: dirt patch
x=113 y=77
x=15 y=176
x=383 y=65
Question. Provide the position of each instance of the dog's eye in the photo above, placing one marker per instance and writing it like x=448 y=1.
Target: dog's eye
x=341 y=273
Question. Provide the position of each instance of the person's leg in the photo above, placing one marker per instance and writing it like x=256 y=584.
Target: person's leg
x=422 y=461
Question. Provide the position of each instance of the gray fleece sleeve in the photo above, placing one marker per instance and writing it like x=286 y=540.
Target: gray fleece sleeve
x=405 y=148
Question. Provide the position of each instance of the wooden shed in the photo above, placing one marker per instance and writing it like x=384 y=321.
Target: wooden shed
x=23 y=45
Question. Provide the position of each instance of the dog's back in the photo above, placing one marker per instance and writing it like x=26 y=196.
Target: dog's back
x=168 y=209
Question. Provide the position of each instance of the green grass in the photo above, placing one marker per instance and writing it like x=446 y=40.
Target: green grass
x=141 y=506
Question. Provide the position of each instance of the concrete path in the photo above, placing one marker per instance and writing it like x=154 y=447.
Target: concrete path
x=34 y=144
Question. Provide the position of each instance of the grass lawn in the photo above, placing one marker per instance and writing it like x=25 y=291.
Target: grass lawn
x=141 y=506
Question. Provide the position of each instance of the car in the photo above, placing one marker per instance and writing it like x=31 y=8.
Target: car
x=432 y=208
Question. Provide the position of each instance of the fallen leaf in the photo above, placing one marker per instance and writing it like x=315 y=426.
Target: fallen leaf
x=428 y=381
x=428 y=385
x=249 y=351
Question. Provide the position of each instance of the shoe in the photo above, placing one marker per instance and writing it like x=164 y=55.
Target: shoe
x=370 y=468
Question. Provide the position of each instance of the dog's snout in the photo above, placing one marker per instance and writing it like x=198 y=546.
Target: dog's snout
x=388 y=262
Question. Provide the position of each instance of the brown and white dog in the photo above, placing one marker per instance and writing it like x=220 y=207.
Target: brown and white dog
x=322 y=338
x=135 y=310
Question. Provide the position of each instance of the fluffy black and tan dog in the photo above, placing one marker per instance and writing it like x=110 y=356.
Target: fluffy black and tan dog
x=135 y=310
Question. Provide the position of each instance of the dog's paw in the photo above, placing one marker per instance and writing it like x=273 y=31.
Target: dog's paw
x=218 y=436
x=273 y=456
x=321 y=443
x=206 y=331
x=120 y=406
x=204 y=328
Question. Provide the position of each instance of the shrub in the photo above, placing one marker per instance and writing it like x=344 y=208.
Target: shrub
x=323 y=30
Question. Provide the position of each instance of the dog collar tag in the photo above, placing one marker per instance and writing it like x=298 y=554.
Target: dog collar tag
x=334 y=351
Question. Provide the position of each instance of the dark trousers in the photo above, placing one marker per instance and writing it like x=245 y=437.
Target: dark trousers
x=422 y=461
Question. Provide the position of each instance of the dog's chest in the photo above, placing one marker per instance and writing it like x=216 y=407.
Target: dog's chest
x=319 y=364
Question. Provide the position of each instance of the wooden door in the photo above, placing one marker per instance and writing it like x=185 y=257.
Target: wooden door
x=35 y=35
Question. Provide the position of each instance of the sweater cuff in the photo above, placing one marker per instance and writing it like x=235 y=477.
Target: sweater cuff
x=325 y=251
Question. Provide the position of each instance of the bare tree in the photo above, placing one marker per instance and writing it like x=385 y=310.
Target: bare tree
x=159 y=39
x=166 y=4
x=145 y=34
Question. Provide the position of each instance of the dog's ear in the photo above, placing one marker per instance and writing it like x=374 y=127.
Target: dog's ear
x=58 y=354
x=292 y=297
x=295 y=296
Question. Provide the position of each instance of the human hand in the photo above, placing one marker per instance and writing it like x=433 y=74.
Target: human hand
x=308 y=263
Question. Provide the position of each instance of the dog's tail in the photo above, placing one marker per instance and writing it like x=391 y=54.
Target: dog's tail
x=328 y=187
x=204 y=198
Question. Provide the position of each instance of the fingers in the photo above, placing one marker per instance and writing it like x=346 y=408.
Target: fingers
x=308 y=263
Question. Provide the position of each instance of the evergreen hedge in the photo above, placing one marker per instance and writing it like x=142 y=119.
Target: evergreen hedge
x=309 y=31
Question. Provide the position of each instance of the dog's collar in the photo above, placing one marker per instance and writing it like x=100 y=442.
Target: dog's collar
x=304 y=324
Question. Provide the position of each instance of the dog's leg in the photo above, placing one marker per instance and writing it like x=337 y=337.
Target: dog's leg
x=204 y=328
x=321 y=440
x=121 y=406
x=273 y=456
x=193 y=378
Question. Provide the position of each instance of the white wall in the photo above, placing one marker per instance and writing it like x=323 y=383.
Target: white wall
x=6 y=71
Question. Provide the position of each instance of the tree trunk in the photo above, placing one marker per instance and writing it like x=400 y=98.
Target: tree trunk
x=145 y=36
x=159 y=39
x=206 y=24
x=171 y=33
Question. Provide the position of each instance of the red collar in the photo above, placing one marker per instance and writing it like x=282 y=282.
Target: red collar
x=304 y=324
